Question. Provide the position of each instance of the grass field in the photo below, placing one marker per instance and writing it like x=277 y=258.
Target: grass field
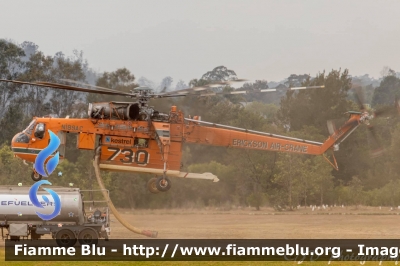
x=335 y=223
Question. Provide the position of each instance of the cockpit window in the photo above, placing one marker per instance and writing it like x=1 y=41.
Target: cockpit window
x=22 y=138
x=142 y=143
x=30 y=128
x=39 y=131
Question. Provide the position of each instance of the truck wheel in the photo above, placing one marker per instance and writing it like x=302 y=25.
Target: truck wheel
x=36 y=177
x=163 y=184
x=88 y=237
x=65 y=238
x=152 y=185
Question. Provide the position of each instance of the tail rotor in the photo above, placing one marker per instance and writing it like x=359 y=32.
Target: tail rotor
x=368 y=114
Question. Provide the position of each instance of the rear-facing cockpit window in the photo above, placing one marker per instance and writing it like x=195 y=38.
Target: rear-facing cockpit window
x=141 y=143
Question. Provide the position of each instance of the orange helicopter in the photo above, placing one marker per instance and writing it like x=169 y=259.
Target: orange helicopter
x=133 y=137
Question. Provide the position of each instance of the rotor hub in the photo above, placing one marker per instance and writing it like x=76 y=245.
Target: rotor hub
x=366 y=118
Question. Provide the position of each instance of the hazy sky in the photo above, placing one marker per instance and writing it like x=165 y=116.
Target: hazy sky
x=184 y=39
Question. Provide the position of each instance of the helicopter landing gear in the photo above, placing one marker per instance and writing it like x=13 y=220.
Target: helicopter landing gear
x=152 y=185
x=35 y=176
x=163 y=183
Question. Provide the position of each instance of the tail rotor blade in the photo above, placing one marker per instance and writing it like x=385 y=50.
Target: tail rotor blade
x=331 y=126
x=377 y=150
x=389 y=110
x=397 y=104
x=359 y=97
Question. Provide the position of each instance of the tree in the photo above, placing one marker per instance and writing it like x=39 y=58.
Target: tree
x=356 y=190
x=319 y=175
x=256 y=95
x=296 y=80
x=144 y=82
x=212 y=195
x=11 y=67
x=165 y=84
x=387 y=91
x=198 y=82
x=256 y=199
x=121 y=79
x=268 y=111
x=220 y=73
x=314 y=107
x=62 y=101
x=11 y=123
x=254 y=172
x=181 y=85
x=12 y=170
x=288 y=167
x=33 y=99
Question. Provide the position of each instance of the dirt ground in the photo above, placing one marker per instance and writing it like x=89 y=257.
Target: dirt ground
x=332 y=223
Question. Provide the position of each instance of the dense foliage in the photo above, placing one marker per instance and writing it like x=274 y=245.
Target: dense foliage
x=255 y=178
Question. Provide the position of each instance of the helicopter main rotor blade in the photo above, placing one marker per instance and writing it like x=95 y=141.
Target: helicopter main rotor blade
x=222 y=83
x=232 y=92
x=167 y=96
x=377 y=150
x=89 y=85
x=193 y=90
x=66 y=87
x=73 y=88
x=307 y=87
x=255 y=91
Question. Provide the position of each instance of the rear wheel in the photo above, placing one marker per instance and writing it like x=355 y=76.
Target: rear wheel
x=163 y=183
x=152 y=185
x=35 y=176
x=88 y=237
x=65 y=238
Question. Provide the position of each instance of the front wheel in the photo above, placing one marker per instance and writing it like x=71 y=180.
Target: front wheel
x=163 y=184
x=152 y=185
x=36 y=177
x=65 y=238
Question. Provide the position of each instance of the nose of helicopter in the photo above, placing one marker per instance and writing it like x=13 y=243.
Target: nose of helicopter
x=13 y=144
x=19 y=145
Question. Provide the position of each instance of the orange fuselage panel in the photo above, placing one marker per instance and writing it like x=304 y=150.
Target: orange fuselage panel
x=157 y=145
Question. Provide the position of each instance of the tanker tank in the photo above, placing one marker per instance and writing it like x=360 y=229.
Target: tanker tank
x=16 y=207
x=19 y=216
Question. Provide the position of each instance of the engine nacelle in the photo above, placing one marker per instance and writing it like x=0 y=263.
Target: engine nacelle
x=114 y=110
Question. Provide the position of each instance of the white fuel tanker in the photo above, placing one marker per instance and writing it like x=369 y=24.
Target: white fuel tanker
x=18 y=216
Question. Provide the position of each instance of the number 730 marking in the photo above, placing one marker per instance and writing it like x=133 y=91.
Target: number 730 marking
x=140 y=156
